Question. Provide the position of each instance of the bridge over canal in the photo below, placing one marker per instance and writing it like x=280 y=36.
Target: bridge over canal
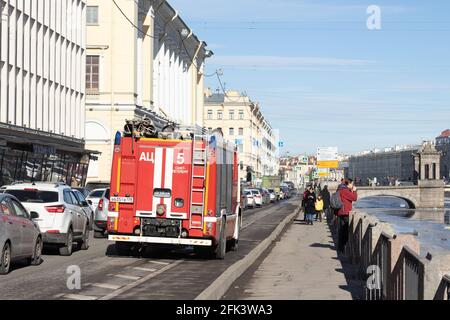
x=425 y=195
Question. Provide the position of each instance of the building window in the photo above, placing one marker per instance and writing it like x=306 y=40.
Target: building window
x=241 y=131
x=231 y=114
x=219 y=115
x=231 y=131
x=92 y=74
x=241 y=114
x=210 y=114
x=92 y=15
x=427 y=172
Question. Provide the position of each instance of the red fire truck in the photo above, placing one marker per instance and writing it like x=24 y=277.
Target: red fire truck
x=174 y=188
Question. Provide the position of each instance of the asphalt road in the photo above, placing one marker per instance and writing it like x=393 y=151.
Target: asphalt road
x=176 y=274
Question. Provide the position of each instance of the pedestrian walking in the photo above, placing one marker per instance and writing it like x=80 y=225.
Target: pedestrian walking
x=310 y=205
x=319 y=208
x=326 y=201
x=348 y=195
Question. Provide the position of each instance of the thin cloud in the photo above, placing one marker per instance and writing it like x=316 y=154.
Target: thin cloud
x=264 y=62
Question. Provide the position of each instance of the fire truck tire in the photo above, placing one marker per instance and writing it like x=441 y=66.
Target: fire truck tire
x=234 y=243
x=123 y=248
x=221 y=248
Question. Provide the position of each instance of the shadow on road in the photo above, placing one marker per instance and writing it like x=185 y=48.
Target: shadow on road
x=159 y=252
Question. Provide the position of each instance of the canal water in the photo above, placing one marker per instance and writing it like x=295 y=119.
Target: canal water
x=432 y=227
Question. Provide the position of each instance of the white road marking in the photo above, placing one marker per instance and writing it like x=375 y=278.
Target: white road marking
x=144 y=269
x=140 y=281
x=106 y=286
x=79 y=297
x=123 y=276
x=159 y=262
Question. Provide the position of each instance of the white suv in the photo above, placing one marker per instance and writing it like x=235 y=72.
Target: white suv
x=62 y=219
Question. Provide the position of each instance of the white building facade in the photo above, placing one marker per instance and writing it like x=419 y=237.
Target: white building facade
x=142 y=61
x=42 y=58
x=243 y=122
x=42 y=88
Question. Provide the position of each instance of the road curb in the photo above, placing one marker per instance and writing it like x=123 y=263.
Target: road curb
x=221 y=285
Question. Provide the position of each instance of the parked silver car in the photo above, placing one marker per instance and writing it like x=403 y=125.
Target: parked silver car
x=249 y=200
x=101 y=215
x=94 y=197
x=85 y=205
x=20 y=237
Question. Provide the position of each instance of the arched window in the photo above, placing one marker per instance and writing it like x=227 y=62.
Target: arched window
x=96 y=132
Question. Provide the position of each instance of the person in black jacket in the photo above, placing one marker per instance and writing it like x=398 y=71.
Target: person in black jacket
x=326 y=201
x=310 y=205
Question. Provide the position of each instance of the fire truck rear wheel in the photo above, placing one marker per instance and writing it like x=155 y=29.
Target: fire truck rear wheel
x=234 y=243
x=123 y=248
x=221 y=248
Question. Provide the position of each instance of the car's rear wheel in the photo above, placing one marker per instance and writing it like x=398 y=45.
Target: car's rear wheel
x=84 y=245
x=98 y=234
x=36 y=258
x=5 y=259
x=66 y=249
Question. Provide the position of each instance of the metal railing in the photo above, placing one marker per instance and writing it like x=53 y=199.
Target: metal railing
x=408 y=276
x=382 y=259
x=366 y=252
x=446 y=282
x=356 y=238
x=443 y=292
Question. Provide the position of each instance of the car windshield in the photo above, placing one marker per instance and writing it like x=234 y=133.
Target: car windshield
x=94 y=185
x=96 y=194
x=255 y=191
x=34 y=195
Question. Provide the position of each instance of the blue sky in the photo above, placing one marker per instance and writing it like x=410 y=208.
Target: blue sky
x=323 y=78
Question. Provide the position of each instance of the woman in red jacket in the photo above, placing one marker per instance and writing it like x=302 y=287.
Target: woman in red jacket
x=347 y=192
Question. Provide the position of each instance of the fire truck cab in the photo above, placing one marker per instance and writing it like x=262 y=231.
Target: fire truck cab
x=175 y=188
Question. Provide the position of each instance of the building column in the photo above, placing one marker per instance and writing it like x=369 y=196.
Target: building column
x=139 y=64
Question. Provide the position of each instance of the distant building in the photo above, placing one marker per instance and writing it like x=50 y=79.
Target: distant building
x=443 y=145
x=296 y=169
x=242 y=121
x=386 y=167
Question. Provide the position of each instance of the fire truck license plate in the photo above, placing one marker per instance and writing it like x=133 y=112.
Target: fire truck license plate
x=122 y=199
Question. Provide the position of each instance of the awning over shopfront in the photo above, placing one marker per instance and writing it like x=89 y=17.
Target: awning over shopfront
x=30 y=155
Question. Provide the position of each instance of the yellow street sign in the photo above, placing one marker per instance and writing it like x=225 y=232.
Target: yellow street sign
x=329 y=164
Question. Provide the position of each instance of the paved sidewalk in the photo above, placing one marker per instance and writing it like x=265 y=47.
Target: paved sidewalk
x=303 y=265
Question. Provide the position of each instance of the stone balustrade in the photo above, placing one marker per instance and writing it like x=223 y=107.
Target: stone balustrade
x=392 y=263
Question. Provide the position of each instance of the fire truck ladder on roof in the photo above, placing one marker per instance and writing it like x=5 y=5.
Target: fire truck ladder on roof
x=199 y=163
